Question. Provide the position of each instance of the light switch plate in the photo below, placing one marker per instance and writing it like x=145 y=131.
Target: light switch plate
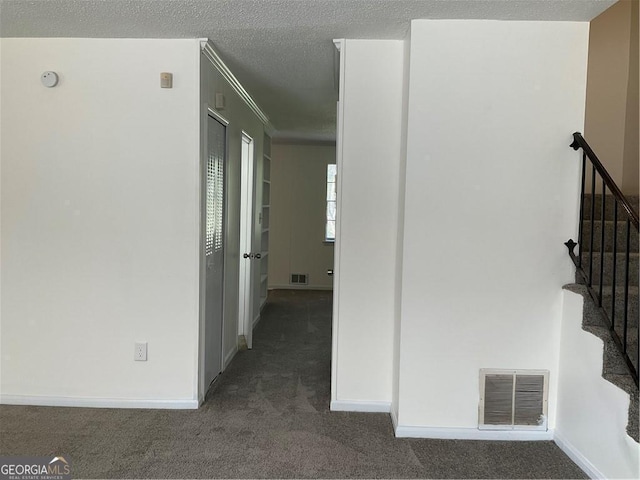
x=166 y=80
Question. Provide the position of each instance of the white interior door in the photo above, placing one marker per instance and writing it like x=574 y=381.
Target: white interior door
x=214 y=248
x=247 y=256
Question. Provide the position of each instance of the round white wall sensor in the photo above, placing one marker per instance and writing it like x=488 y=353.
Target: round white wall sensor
x=49 y=79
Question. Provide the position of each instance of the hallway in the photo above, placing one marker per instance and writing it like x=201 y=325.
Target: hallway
x=267 y=418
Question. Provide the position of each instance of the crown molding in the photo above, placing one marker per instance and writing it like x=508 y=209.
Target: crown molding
x=216 y=61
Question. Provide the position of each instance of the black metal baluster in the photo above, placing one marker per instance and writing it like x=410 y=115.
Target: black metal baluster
x=581 y=217
x=593 y=214
x=615 y=264
x=602 y=228
x=622 y=338
x=626 y=292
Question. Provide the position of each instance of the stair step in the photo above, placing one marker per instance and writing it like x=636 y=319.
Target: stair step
x=614 y=367
x=609 y=203
x=633 y=425
x=592 y=313
x=632 y=342
x=634 y=261
x=632 y=306
x=625 y=382
x=621 y=239
x=613 y=362
x=594 y=323
x=615 y=370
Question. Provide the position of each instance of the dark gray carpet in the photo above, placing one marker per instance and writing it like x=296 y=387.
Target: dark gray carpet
x=267 y=418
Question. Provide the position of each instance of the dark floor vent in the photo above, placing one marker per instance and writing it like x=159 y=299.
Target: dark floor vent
x=299 y=279
x=513 y=399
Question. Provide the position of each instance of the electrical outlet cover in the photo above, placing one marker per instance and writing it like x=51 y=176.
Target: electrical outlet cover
x=140 y=353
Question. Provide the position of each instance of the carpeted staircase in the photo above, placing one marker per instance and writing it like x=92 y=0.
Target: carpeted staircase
x=614 y=368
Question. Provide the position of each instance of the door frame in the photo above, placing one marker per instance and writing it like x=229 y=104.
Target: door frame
x=340 y=45
x=246 y=288
x=207 y=112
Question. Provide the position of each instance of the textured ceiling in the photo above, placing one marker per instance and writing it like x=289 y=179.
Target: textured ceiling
x=281 y=50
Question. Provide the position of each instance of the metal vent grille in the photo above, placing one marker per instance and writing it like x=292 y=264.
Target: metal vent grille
x=513 y=399
x=299 y=279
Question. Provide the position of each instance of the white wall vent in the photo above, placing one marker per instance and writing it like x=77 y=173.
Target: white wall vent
x=513 y=399
x=299 y=279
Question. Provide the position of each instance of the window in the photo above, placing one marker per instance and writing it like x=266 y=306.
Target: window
x=330 y=229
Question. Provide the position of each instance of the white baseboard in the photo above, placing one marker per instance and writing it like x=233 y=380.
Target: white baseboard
x=578 y=458
x=300 y=287
x=255 y=321
x=394 y=419
x=360 y=406
x=454 y=433
x=91 y=402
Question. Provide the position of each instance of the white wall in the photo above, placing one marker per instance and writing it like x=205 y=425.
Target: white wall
x=368 y=175
x=491 y=194
x=298 y=215
x=397 y=321
x=240 y=119
x=99 y=222
x=592 y=413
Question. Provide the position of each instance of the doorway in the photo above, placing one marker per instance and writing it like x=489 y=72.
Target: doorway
x=214 y=247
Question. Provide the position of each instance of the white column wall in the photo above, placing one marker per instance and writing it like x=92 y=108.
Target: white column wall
x=99 y=222
x=397 y=321
x=491 y=195
x=368 y=180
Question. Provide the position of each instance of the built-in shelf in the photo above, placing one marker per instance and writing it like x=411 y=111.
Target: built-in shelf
x=266 y=205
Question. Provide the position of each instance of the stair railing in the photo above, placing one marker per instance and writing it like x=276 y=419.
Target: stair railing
x=585 y=266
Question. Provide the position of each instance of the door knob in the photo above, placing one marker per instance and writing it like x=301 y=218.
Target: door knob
x=247 y=255
x=258 y=256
